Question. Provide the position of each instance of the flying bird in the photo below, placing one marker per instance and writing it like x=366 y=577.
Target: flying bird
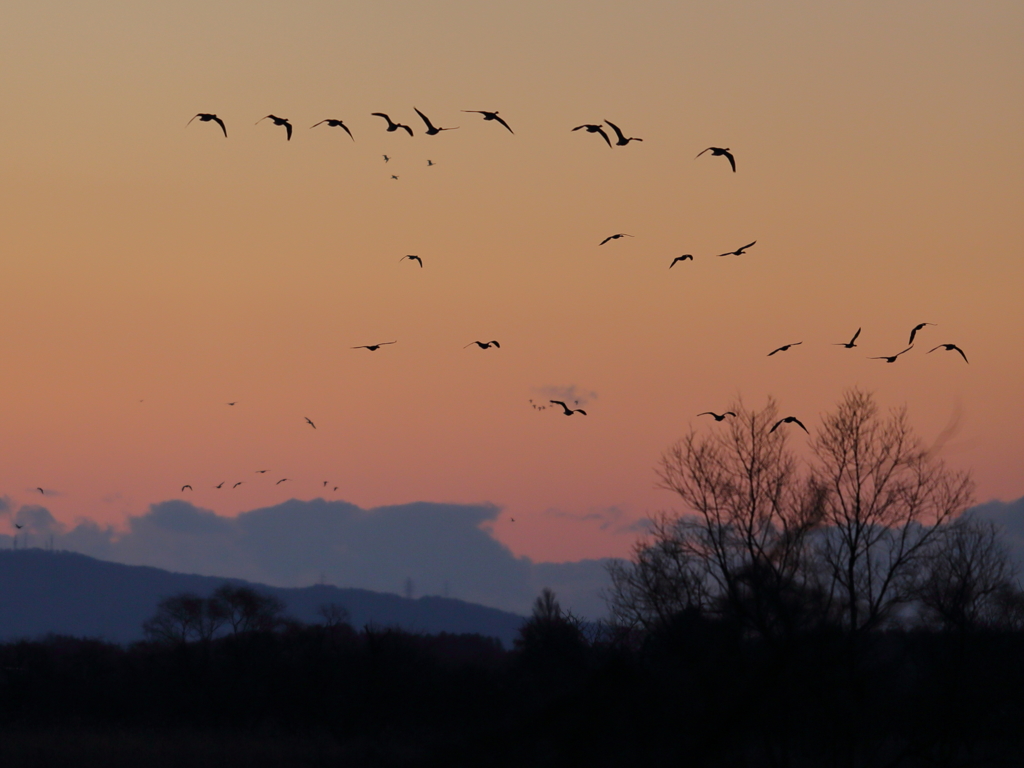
x=231 y=403
x=717 y=417
x=282 y=480
x=614 y=237
x=490 y=116
x=205 y=117
x=262 y=471
x=278 y=121
x=784 y=347
x=892 y=358
x=739 y=251
x=595 y=129
x=788 y=420
x=394 y=177
x=392 y=126
x=430 y=163
x=336 y=124
x=431 y=130
x=238 y=484
x=375 y=347
x=412 y=257
x=308 y=421
x=947 y=347
x=186 y=486
x=221 y=484
x=623 y=141
x=850 y=344
x=41 y=491
x=915 y=329
x=19 y=526
x=721 y=151
x=566 y=409
x=386 y=158
x=484 y=344
x=684 y=257
x=325 y=483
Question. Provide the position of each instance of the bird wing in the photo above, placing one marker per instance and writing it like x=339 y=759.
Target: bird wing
x=496 y=117
x=425 y=119
x=775 y=350
x=606 y=240
x=797 y=421
x=492 y=341
x=558 y=402
x=578 y=127
x=855 y=336
x=406 y=127
x=728 y=413
x=220 y=122
x=419 y=261
x=616 y=129
x=732 y=162
x=954 y=347
x=381 y=114
x=748 y=245
x=320 y=123
x=347 y=130
x=708 y=413
x=604 y=136
x=580 y=410
x=288 y=127
x=777 y=423
x=190 y=121
x=701 y=153
x=905 y=350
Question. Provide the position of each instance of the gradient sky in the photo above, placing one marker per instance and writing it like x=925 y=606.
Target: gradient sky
x=151 y=272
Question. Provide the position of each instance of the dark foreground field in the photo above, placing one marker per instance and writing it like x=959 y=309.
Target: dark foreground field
x=698 y=691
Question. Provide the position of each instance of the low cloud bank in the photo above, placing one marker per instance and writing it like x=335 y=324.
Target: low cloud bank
x=441 y=548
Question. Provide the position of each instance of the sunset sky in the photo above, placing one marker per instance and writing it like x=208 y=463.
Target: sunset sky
x=153 y=272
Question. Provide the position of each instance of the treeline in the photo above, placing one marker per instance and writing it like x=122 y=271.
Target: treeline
x=694 y=690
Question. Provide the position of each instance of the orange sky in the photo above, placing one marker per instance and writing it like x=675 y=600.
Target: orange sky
x=880 y=161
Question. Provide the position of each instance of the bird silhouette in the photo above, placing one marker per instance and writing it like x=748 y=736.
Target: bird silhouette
x=325 y=483
x=484 y=344
x=282 y=480
x=392 y=125
x=431 y=130
x=41 y=491
x=221 y=484
x=278 y=121
x=788 y=420
x=717 y=417
x=386 y=158
x=308 y=421
x=623 y=141
x=490 y=116
x=915 y=329
x=375 y=347
x=566 y=409
x=684 y=257
x=231 y=403
x=430 y=163
x=19 y=526
x=849 y=344
x=595 y=129
x=784 y=347
x=892 y=358
x=739 y=251
x=186 y=486
x=721 y=151
x=394 y=177
x=262 y=471
x=205 y=117
x=411 y=257
x=336 y=124
x=614 y=237
x=238 y=483
x=950 y=348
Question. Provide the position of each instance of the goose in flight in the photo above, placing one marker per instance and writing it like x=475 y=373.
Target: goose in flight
x=278 y=121
x=739 y=251
x=788 y=420
x=717 y=417
x=386 y=158
x=238 y=483
x=220 y=486
x=375 y=347
x=948 y=348
x=623 y=141
x=566 y=409
x=614 y=237
x=308 y=421
x=595 y=129
x=785 y=347
x=262 y=471
x=231 y=403
x=19 y=526
x=392 y=126
x=490 y=116
x=849 y=344
x=41 y=491
x=186 y=486
x=282 y=480
x=336 y=124
x=412 y=257
x=205 y=117
x=892 y=358
x=431 y=130
x=430 y=163
x=721 y=151
x=484 y=344
x=684 y=257
x=915 y=329
x=394 y=177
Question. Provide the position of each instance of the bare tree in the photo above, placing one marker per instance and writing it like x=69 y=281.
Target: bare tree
x=247 y=610
x=886 y=503
x=184 y=617
x=969 y=577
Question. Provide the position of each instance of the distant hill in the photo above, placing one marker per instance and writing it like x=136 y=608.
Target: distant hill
x=45 y=592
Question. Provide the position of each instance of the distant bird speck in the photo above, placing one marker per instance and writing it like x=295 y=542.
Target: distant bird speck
x=721 y=151
x=220 y=485
x=739 y=251
x=186 y=486
x=484 y=344
x=205 y=117
x=614 y=237
x=282 y=480
x=951 y=348
x=238 y=484
x=413 y=257
x=717 y=416
x=375 y=347
x=684 y=257
x=849 y=344
x=41 y=491
x=386 y=158
x=308 y=421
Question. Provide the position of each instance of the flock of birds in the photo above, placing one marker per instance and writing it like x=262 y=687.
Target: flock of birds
x=621 y=140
